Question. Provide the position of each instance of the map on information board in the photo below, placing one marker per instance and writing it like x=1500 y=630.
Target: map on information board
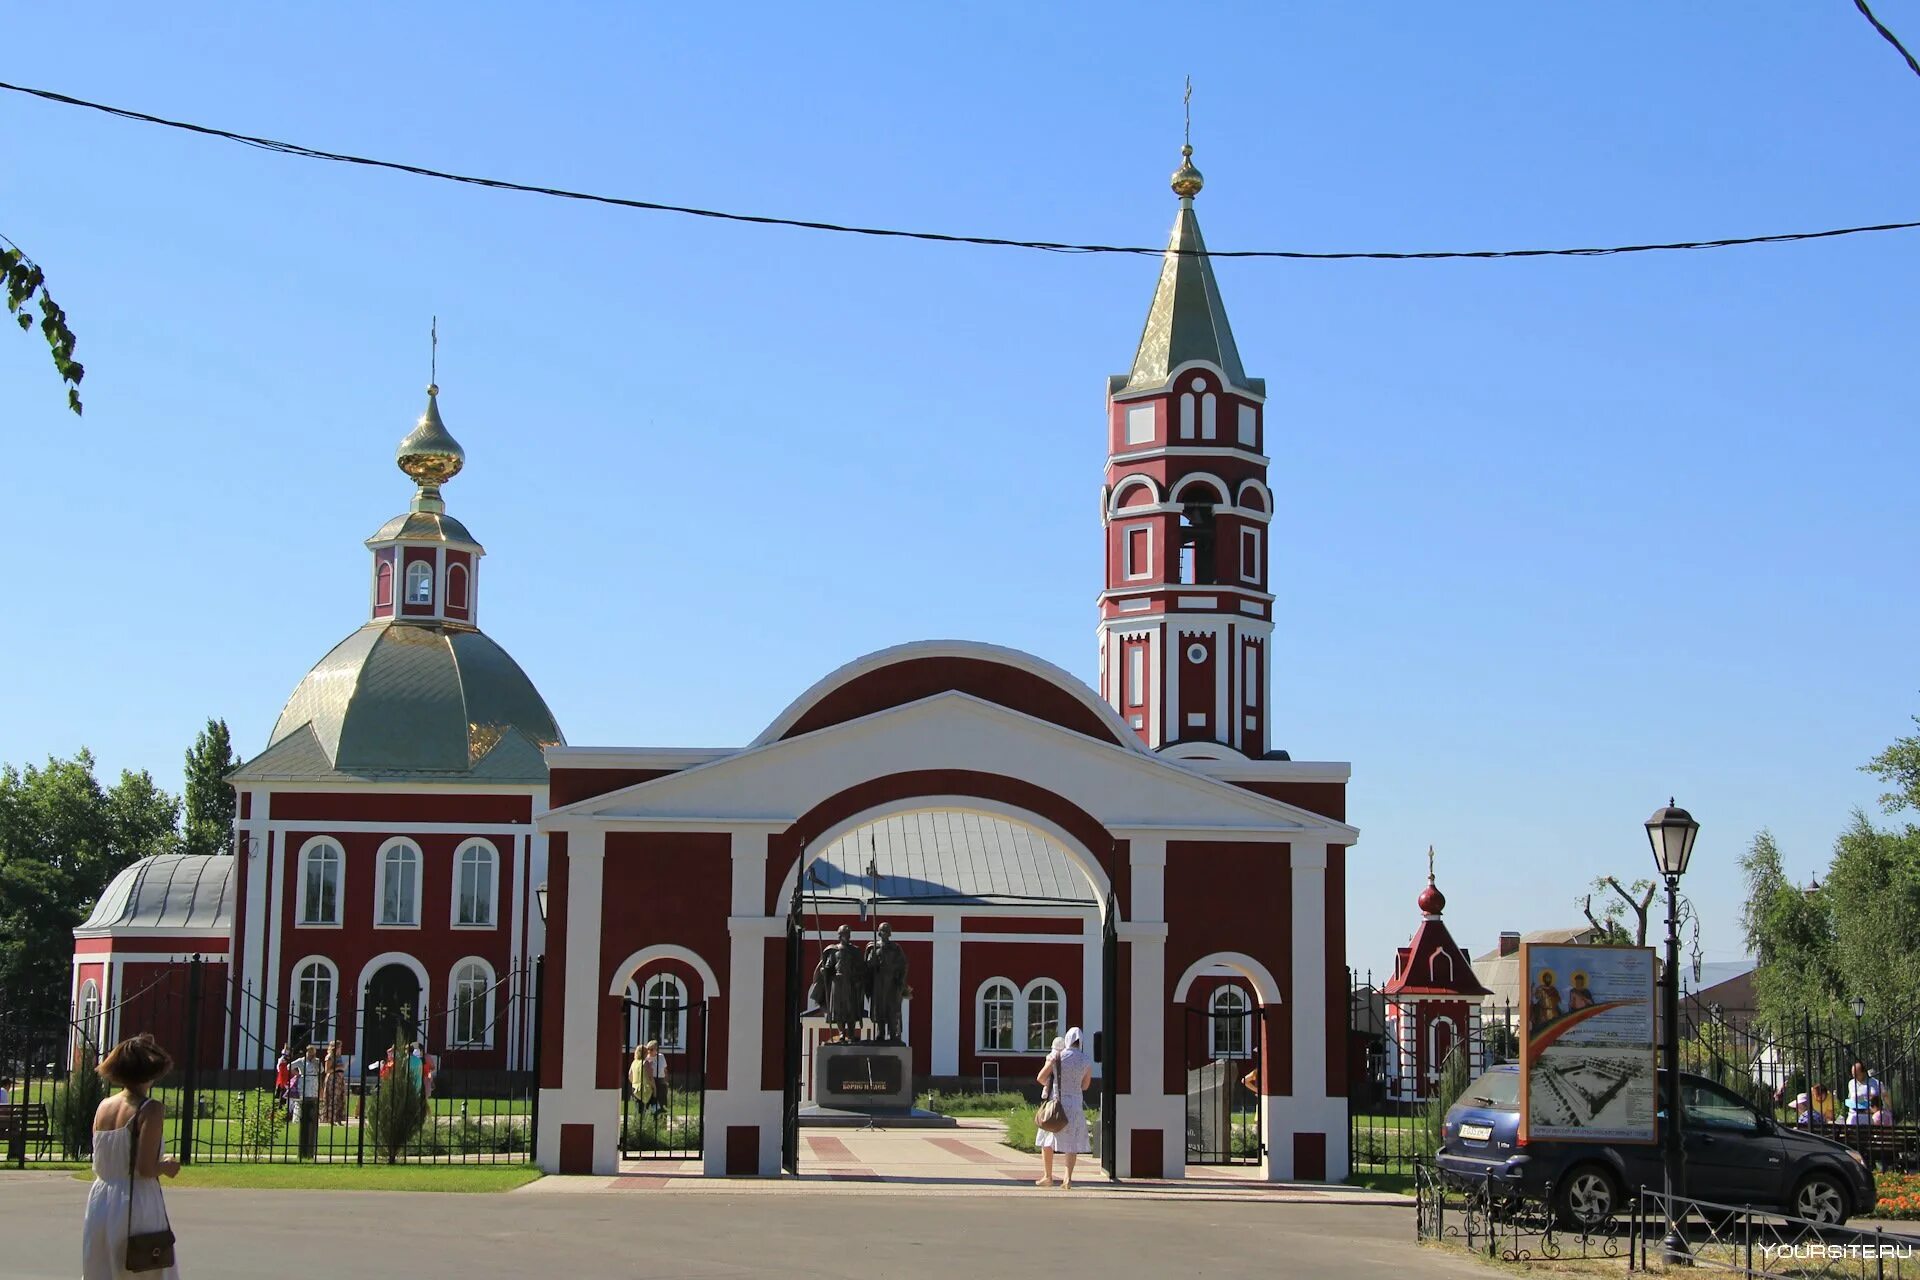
x=1587 y=1052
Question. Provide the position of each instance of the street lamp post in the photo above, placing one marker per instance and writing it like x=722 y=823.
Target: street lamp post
x=1859 y=1006
x=1671 y=832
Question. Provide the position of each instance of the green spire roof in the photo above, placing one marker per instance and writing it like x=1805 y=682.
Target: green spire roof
x=1188 y=320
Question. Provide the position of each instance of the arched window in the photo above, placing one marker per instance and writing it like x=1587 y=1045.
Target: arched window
x=998 y=1002
x=661 y=1013
x=419 y=583
x=1229 y=1008
x=399 y=901
x=456 y=586
x=472 y=1008
x=90 y=1014
x=313 y=988
x=320 y=868
x=475 y=885
x=1440 y=967
x=383 y=585
x=1186 y=416
x=1207 y=415
x=1441 y=1035
x=1046 y=1013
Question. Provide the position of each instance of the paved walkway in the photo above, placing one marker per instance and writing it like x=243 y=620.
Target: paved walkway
x=825 y=1230
x=966 y=1161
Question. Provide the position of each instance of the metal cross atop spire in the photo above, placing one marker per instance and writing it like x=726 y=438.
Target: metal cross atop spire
x=433 y=360
x=1186 y=102
x=1429 y=864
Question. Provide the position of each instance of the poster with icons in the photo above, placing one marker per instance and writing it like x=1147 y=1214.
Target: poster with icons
x=1588 y=1059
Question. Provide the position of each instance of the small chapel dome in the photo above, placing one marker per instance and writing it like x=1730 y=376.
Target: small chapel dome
x=1431 y=901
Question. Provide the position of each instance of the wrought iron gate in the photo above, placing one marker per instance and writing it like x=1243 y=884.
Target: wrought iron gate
x=790 y=1080
x=662 y=1120
x=1223 y=1078
x=1108 y=1050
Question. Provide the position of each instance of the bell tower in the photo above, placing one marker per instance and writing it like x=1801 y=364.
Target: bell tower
x=1186 y=617
x=426 y=565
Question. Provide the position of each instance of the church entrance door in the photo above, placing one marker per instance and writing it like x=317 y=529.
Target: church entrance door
x=391 y=1013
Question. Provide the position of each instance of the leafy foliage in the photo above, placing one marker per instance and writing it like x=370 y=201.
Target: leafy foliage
x=1455 y=1076
x=62 y=838
x=73 y=1107
x=258 y=1119
x=209 y=800
x=27 y=285
x=395 y=1113
x=1899 y=765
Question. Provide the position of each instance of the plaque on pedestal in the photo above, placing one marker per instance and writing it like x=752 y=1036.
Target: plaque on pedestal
x=863 y=1077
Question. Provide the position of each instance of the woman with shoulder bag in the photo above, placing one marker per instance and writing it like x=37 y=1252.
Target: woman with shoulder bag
x=1066 y=1076
x=126 y=1232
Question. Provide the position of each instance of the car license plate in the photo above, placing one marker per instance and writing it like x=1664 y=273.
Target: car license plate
x=1476 y=1132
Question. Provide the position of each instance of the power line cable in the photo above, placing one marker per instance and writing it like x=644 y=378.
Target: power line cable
x=1887 y=35
x=941 y=237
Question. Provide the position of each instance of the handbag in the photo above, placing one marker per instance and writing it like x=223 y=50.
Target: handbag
x=146 y=1250
x=1051 y=1117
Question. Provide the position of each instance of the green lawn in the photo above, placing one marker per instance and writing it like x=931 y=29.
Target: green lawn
x=1398 y=1183
x=320 y=1177
x=1015 y=1111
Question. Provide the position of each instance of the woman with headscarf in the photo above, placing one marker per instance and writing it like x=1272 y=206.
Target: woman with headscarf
x=1067 y=1074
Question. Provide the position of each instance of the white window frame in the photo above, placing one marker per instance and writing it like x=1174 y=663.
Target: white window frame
x=637 y=1011
x=297 y=981
x=980 y=1023
x=466 y=574
x=1208 y=411
x=1027 y=994
x=1250 y=676
x=426 y=574
x=1249 y=426
x=484 y=1005
x=380 y=881
x=1433 y=967
x=1249 y=555
x=307 y=850
x=1136 y=416
x=493 y=888
x=1433 y=1042
x=392 y=581
x=1135 y=572
x=1186 y=415
x=90 y=1016
x=1216 y=1023
x=1136 y=693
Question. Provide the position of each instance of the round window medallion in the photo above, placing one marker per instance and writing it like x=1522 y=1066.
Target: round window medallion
x=1196 y=653
x=1199 y=384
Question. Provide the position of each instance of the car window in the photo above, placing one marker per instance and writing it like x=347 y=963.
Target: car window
x=1708 y=1107
x=1500 y=1089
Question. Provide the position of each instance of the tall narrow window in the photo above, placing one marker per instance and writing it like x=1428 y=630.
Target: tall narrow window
x=419 y=583
x=457 y=586
x=997 y=1001
x=313 y=1002
x=1046 y=1009
x=472 y=1005
x=1136 y=674
x=1196 y=544
x=1229 y=1008
x=1186 y=416
x=383 y=585
x=90 y=1015
x=1249 y=555
x=399 y=885
x=320 y=864
x=1140 y=552
x=475 y=880
x=1207 y=428
x=666 y=1012
x=1252 y=676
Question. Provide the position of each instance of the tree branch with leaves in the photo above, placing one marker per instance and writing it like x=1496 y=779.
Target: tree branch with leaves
x=26 y=288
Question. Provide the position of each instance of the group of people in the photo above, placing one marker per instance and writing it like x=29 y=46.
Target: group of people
x=311 y=1084
x=1864 y=1102
x=647 y=1077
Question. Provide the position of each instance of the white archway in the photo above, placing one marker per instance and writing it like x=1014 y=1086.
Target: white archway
x=1245 y=965
x=367 y=971
x=627 y=969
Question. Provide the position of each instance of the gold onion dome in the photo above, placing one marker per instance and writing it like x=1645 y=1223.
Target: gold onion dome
x=1186 y=179
x=430 y=455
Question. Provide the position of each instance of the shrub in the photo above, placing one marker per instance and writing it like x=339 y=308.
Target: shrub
x=74 y=1105
x=1453 y=1082
x=394 y=1115
x=255 y=1119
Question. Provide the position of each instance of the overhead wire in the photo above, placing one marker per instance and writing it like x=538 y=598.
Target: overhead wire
x=942 y=237
x=1913 y=64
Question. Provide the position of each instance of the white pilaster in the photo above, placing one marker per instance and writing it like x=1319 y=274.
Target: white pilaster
x=743 y=1101
x=1310 y=1108
x=1147 y=1105
x=1092 y=989
x=944 y=1053
x=578 y=1100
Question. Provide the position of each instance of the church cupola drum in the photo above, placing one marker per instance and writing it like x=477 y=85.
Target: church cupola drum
x=1186 y=618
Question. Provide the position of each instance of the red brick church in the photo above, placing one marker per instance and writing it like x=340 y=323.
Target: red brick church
x=1121 y=856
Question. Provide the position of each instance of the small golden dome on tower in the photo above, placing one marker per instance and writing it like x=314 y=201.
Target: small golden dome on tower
x=430 y=455
x=1186 y=179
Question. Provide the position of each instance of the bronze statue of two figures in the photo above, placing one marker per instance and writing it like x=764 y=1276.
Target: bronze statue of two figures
x=852 y=986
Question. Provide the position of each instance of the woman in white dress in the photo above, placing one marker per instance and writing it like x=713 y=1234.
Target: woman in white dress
x=133 y=1065
x=1068 y=1073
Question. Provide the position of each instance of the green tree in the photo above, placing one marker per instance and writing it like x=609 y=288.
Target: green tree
x=209 y=800
x=62 y=838
x=1633 y=902
x=26 y=283
x=1789 y=932
x=1899 y=765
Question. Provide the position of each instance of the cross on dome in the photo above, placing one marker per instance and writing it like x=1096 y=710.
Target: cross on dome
x=1431 y=901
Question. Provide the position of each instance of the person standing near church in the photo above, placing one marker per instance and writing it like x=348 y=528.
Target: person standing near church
x=305 y=1076
x=1863 y=1091
x=1068 y=1072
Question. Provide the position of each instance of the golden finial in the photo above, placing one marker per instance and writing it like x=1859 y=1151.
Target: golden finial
x=430 y=455
x=1186 y=179
x=1429 y=864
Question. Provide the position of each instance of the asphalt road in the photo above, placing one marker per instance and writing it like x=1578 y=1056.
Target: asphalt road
x=246 y=1235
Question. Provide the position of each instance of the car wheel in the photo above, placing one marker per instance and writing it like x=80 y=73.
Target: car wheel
x=1820 y=1198
x=1587 y=1197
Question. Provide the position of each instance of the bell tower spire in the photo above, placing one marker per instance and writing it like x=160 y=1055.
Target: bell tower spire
x=1186 y=616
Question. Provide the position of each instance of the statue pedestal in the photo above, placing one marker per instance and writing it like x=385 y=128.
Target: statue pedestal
x=863 y=1077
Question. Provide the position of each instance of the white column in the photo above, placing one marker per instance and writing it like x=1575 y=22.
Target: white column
x=1310 y=1108
x=743 y=1102
x=1093 y=994
x=578 y=1100
x=944 y=1053
x=1147 y=1105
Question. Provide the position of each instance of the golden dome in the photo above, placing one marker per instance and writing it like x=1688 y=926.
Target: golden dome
x=430 y=455
x=1186 y=179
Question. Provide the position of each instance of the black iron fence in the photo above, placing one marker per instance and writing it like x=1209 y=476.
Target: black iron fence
x=1498 y=1219
x=443 y=1096
x=663 y=1088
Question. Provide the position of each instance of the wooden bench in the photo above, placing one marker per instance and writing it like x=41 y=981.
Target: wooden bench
x=1892 y=1146
x=22 y=1123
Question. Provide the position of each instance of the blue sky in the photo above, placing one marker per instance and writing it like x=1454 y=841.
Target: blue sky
x=1560 y=537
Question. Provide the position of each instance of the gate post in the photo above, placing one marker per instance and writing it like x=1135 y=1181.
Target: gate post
x=183 y=1134
x=539 y=1040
